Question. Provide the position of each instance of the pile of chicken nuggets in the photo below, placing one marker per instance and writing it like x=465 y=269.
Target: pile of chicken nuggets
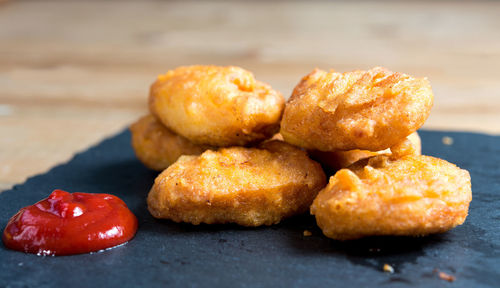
x=232 y=150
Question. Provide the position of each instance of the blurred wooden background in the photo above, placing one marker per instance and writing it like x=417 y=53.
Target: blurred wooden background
x=73 y=73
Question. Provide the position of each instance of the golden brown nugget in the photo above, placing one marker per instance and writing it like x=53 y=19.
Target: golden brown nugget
x=157 y=147
x=415 y=195
x=368 y=110
x=341 y=159
x=219 y=106
x=247 y=186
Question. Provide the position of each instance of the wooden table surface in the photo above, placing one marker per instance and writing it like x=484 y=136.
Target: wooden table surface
x=73 y=73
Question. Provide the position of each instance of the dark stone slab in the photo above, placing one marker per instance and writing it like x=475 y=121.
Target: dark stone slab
x=179 y=255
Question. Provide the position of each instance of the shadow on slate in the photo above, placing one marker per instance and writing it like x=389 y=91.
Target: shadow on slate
x=179 y=255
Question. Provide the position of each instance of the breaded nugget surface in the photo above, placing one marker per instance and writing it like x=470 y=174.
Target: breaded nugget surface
x=369 y=110
x=341 y=159
x=247 y=186
x=414 y=195
x=219 y=106
x=157 y=147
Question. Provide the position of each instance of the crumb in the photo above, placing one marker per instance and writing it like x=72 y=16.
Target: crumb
x=388 y=268
x=447 y=140
x=445 y=276
x=307 y=233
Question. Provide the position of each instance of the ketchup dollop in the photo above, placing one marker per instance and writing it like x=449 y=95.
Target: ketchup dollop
x=70 y=223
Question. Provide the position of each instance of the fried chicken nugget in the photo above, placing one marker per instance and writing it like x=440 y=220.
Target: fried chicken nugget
x=157 y=147
x=341 y=159
x=247 y=186
x=414 y=195
x=219 y=106
x=369 y=110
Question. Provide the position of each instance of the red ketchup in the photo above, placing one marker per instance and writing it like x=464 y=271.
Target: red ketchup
x=70 y=223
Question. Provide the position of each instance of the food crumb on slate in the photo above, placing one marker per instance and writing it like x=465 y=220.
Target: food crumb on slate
x=447 y=140
x=388 y=268
x=445 y=276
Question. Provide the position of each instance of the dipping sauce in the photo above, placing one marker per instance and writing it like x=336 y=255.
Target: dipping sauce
x=70 y=223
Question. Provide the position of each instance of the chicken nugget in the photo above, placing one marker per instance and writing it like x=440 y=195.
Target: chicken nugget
x=247 y=186
x=157 y=147
x=219 y=106
x=413 y=196
x=336 y=160
x=368 y=110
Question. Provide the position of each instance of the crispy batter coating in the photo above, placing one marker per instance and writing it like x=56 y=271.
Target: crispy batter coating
x=369 y=110
x=219 y=106
x=412 y=145
x=157 y=147
x=336 y=160
x=247 y=186
x=414 y=195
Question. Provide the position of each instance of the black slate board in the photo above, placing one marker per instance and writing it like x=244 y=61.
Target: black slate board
x=179 y=255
